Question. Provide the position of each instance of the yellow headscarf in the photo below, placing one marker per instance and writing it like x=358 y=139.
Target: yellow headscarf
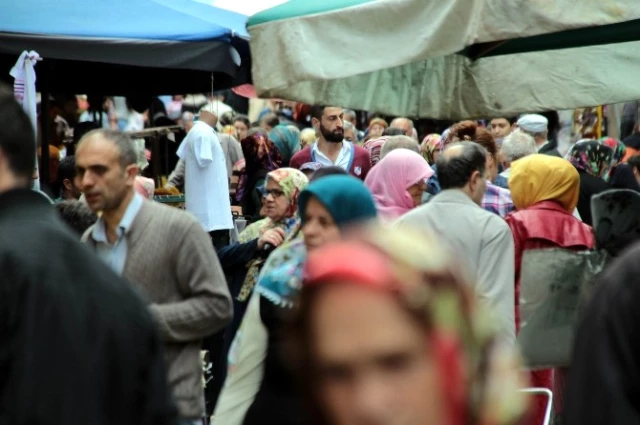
x=536 y=178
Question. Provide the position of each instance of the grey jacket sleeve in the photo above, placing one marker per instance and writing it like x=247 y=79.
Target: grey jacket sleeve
x=176 y=178
x=496 y=277
x=206 y=305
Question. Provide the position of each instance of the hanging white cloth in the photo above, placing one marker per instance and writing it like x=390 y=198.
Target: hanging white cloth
x=24 y=89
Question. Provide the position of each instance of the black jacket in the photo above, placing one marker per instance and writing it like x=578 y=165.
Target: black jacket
x=77 y=344
x=548 y=149
x=604 y=380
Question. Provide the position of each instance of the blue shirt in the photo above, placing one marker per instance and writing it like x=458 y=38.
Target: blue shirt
x=115 y=255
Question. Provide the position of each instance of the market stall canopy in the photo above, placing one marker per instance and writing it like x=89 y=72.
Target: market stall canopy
x=144 y=46
x=450 y=59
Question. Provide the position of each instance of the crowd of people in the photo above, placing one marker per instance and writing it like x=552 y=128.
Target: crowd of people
x=377 y=280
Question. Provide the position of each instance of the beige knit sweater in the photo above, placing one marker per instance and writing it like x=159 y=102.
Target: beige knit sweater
x=172 y=260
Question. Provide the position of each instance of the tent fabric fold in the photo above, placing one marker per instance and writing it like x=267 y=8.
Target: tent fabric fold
x=407 y=57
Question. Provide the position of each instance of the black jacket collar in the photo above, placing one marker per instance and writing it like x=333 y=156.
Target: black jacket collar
x=24 y=203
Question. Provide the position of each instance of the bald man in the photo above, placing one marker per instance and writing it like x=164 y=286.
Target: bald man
x=404 y=124
x=482 y=239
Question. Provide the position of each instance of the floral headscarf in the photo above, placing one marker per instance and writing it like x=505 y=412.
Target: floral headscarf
x=619 y=151
x=292 y=182
x=430 y=144
x=480 y=377
x=591 y=156
x=374 y=146
x=261 y=156
x=348 y=201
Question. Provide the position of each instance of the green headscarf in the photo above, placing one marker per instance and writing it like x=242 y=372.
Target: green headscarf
x=286 y=140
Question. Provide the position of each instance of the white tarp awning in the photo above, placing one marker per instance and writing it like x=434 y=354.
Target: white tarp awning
x=405 y=57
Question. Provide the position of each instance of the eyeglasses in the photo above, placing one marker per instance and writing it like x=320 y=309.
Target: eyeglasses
x=276 y=193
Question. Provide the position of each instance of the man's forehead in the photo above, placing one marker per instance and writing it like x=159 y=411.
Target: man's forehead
x=332 y=111
x=97 y=145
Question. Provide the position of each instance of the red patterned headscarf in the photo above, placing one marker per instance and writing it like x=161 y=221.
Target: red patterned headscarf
x=480 y=375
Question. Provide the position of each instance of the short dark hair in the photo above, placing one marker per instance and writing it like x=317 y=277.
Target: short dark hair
x=242 y=118
x=317 y=111
x=77 y=215
x=17 y=136
x=455 y=169
x=511 y=120
x=393 y=131
x=271 y=120
x=66 y=170
x=327 y=171
x=128 y=153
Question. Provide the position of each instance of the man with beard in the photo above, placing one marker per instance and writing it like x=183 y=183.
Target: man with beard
x=330 y=149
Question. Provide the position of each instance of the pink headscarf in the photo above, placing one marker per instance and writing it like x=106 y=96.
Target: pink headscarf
x=390 y=179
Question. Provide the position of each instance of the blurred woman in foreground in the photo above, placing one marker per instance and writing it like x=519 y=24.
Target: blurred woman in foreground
x=260 y=389
x=393 y=336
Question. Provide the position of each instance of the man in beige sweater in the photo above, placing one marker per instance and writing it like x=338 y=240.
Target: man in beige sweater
x=162 y=250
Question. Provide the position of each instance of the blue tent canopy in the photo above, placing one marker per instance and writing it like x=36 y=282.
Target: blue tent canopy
x=80 y=39
x=169 y=20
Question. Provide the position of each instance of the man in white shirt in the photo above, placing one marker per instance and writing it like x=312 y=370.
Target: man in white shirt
x=480 y=238
x=206 y=179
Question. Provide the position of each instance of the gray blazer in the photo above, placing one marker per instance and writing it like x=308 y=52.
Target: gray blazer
x=480 y=239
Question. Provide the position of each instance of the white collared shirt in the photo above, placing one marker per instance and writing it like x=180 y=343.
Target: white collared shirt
x=344 y=159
